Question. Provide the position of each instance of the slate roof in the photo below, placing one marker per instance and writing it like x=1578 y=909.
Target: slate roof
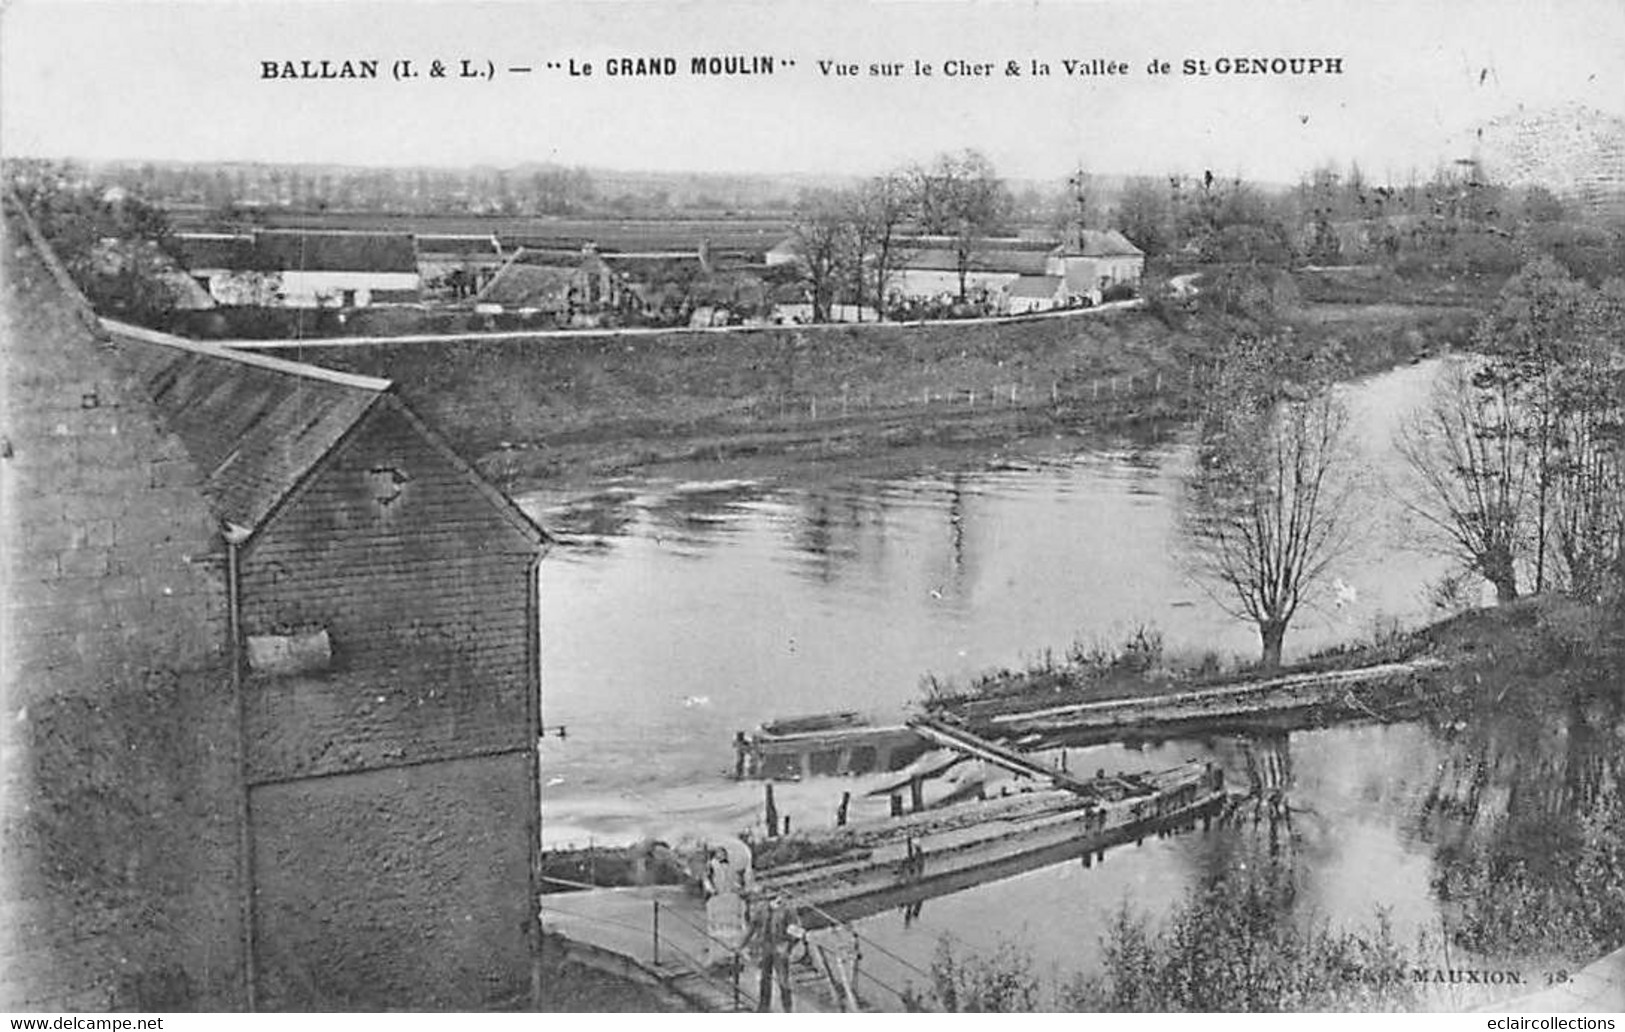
x=458 y=243
x=1097 y=243
x=1024 y=263
x=517 y=286
x=298 y=250
x=992 y=243
x=215 y=250
x=255 y=425
x=651 y=269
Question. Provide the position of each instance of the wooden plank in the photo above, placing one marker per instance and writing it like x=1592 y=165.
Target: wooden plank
x=957 y=738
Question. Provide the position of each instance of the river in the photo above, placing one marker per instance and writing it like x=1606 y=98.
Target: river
x=675 y=613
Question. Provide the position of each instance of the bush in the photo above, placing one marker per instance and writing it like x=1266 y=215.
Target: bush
x=1003 y=983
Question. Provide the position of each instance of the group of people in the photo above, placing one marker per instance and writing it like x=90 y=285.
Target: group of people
x=768 y=928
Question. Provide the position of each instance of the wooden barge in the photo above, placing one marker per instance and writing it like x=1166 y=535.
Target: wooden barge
x=871 y=867
x=849 y=743
x=827 y=744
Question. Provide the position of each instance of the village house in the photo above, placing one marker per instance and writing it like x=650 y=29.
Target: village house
x=458 y=264
x=561 y=287
x=1096 y=261
x=272 y=687
x=298 y=268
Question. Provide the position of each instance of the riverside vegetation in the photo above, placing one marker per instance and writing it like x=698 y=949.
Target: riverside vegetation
x=1541 y=877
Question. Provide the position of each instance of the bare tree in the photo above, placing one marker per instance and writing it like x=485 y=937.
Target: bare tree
x=822 y=234
x=960 y=196
x=880 y=210
x=1473 y=475
x=1270 y=496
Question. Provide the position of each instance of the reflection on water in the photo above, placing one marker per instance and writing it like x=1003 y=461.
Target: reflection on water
x=677 y=613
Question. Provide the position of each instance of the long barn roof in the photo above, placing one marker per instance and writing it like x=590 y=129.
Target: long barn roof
x=301 y=250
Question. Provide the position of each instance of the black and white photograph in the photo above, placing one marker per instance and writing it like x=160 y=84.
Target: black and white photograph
x=877 y=506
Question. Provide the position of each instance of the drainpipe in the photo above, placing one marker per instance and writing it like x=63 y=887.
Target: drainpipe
x=533 y=731
x=245 y=828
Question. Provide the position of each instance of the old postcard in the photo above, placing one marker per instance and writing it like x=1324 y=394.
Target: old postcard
x=932 y=505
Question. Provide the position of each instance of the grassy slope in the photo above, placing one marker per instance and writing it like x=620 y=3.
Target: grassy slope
x=601 y=402
x=1515 y=658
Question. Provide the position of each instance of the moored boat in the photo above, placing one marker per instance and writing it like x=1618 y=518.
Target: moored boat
x=846 y=742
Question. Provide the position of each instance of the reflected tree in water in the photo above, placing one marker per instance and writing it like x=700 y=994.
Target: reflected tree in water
x=1529 y=821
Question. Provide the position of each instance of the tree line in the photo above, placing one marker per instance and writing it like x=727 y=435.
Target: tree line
x=1519 y=458
x=1515 y=466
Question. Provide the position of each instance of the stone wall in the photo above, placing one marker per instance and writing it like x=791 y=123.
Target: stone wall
x=423 y=896
x=119 y=806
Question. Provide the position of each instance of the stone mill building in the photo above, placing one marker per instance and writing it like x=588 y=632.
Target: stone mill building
x=271 y=688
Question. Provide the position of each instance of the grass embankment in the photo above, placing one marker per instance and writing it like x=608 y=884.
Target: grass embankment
x=543 y=409
x=1487 y=653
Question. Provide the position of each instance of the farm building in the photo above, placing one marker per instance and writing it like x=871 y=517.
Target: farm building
x=1017 y=275
x=562 y=288
x=300 y=268
x=1097 y=260
x=458 y=263
x=311 y=630
x=932 y=272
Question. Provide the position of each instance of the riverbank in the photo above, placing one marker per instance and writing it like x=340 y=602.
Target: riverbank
x=1514 y=655
x=557 y=410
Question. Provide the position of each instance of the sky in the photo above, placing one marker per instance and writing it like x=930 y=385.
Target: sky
x=157 y=80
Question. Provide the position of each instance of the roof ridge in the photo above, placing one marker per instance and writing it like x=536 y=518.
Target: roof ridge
x=281 y=365
x=78 y=304
x=302 y=231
